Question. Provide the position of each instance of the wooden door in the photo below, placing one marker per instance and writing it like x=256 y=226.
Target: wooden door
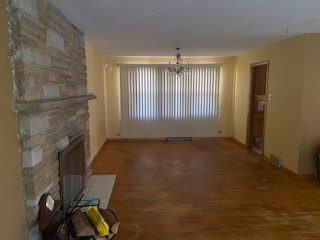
x=256 y=119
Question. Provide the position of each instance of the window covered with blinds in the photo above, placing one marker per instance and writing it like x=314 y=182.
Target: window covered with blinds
x=155 y=104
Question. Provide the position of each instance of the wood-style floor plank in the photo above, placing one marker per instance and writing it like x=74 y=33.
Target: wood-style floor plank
x=203 y=190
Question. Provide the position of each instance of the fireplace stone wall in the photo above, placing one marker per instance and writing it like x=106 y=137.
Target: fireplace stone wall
x=50 y=95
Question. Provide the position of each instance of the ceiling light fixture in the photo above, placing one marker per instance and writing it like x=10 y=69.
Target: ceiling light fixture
x=178 y=69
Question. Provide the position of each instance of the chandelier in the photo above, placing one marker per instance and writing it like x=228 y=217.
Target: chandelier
x=178 y=69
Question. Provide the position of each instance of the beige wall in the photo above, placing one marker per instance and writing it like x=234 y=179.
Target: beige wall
x=12 y=220
x=113 y=89
x=310 y=119
x=95 y=78
x=112 y=98
x=291 y=123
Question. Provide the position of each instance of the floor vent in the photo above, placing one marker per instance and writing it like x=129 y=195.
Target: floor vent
x=178 y=139
x=275 y=160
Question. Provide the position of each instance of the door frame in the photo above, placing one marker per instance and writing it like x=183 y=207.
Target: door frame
x=250 y=112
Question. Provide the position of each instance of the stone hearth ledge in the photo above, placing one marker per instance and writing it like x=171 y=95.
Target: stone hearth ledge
x=49 y=104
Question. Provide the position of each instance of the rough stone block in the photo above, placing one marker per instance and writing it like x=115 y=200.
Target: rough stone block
x=29 y=55
x=52 y=77
x=62 y=143
x=31 y=142
x=81 y=90
x=81 y=111
x=28 y=6
x=54 y=40
x=32 y=202
x=31 y=157
x=51 y=91
x=72 y=119
x=32 y=215
x=29 y=84
x=32 y=125
x=34 y=234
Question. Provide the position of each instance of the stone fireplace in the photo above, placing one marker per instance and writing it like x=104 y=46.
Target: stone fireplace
x=50 y=95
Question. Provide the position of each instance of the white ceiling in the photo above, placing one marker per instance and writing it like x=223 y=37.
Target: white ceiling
x=198 y=27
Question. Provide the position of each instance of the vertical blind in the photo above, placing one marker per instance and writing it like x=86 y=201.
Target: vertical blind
x=156 y=105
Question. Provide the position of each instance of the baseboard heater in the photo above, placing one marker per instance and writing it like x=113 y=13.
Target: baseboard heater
x=178 y=139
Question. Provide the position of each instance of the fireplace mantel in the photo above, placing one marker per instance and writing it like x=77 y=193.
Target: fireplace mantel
x=34 y=107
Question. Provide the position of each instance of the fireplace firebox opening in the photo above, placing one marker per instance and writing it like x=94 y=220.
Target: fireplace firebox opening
x=72 y=172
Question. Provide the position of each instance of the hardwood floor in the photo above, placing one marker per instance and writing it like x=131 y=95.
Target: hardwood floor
x=203 y=190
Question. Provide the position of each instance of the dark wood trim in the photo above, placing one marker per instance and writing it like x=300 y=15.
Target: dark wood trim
x=212 y=139
x=163 y=139
x=249 y=117
x=135 y=140
x=266 y=62
x=249 y=109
